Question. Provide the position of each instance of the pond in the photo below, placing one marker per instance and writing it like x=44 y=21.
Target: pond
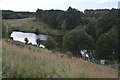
x=20 y=36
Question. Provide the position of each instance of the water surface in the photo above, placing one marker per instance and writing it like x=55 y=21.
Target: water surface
x=20 y=36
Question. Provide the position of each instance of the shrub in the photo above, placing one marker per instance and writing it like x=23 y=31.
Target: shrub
x=38 y=41
x=50 y=43
x=26 y=40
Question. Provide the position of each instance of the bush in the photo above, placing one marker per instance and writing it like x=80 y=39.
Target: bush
x=38 y=41
x=26 y=40
x=50 y=43
x=37 y=31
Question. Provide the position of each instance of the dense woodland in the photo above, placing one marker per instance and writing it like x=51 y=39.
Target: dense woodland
x=93 y=30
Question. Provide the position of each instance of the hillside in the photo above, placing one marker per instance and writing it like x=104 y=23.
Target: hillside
x=27 y=61
x=30 y=25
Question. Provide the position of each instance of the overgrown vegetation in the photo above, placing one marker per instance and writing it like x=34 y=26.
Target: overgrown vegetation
x=33 y=62
x=95 y=23
x=95 y=32
x=24 y=64
x=50 y=43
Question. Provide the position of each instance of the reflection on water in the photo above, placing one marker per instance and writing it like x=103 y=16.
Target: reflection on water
x=20 y=36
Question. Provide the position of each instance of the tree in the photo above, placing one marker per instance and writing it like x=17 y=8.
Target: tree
x=26 y=40
x=55 y=18
x=38 y=41
x=73 y=17
x=107 y=45
x=78 y=40
x=50 y=43
x=63 y=25
x=37 y=31
x=118 y=32
x=91 y=29
x=107 y=21
x=38 y=14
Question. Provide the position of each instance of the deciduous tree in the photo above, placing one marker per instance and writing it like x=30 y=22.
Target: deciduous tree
x=78 y=40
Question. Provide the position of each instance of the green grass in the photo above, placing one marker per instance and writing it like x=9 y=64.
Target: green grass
x=30 y=25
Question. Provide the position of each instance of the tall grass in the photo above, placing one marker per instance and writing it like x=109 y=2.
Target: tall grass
x=21 y=64
x=0 y=58
x=39 y=63
x=84 y=74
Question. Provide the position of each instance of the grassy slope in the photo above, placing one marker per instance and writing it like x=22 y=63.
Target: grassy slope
x=30 y=61
x=29 y=25
x=0 y=59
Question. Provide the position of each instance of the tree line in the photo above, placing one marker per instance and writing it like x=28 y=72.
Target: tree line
x=60 y=19
x=94 y=32
x=8 y=14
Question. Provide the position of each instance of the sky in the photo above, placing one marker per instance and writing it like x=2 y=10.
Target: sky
x=33 y=5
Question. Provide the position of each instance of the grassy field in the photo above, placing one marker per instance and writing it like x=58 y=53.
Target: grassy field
x=26 y=61
x=30 y=25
